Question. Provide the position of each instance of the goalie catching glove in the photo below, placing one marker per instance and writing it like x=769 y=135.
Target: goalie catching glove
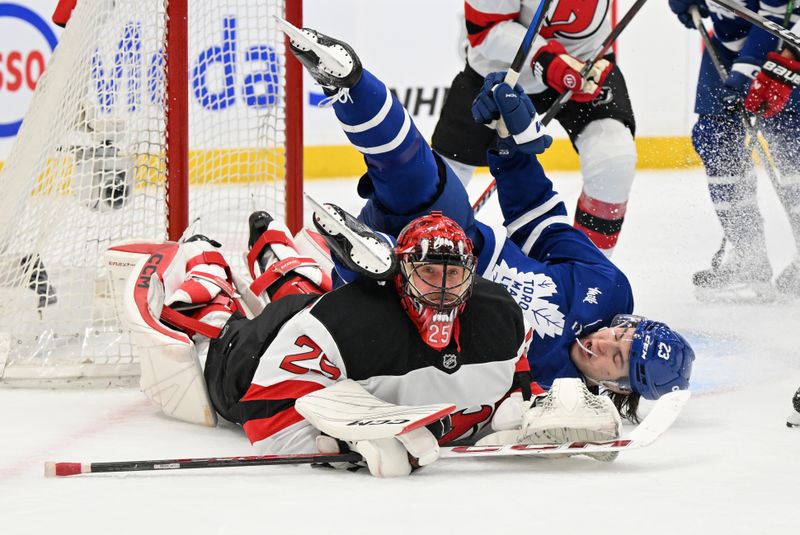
x=561 y=72
x=568 y=412
x=497 y=99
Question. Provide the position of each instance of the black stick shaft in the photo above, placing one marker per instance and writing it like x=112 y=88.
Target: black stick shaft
x=602 y=51
x=71 y=468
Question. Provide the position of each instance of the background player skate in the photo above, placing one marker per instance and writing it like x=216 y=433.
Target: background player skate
x=599 y=118
x=719 y=139
x=568 y=290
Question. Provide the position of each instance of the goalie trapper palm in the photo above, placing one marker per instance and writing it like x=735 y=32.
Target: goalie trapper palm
x=569 y=412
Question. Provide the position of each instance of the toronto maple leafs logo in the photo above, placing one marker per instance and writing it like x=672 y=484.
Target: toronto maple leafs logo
x=531 y=290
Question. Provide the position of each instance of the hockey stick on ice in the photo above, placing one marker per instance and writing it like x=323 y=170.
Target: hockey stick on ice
x=562 y=100
x=660 y=418
x=757 y=20
x=511 y=79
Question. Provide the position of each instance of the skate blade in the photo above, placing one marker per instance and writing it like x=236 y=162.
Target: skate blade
x=303 y=42
x=761 y=292
x=382 y=261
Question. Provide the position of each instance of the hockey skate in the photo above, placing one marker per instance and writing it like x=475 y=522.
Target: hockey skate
x=332 y=63
x=788 y=282
x=741 y=276
x=354 y=244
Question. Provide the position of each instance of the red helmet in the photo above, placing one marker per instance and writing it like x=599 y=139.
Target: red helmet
x=437 y=270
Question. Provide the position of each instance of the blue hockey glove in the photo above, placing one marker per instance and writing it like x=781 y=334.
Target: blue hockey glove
x=522 y=121
x=484 y=108
x=738 y=82
x=681 y=8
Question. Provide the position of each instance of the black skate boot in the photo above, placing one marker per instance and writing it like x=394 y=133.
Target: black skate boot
x=788 y=282
x=357 y=246
x=332 y=63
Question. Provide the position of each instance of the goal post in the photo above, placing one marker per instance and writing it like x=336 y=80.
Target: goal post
x=153 y=119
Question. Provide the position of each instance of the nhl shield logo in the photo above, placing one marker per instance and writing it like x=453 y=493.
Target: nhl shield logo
x=449 y=361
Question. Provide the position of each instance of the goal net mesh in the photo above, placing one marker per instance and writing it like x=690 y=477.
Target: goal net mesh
x=89 y=164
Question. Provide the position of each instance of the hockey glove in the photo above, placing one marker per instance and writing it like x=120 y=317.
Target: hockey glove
x=773 y=85
x=735 y=86
x=497 y=99
x=559 y=71
x=389 y=457
x=522 y=121
x=681 y=9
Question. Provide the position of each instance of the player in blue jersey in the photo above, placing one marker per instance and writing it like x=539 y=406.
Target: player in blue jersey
x=719 y=139
x=576 y=300
x=769 y=93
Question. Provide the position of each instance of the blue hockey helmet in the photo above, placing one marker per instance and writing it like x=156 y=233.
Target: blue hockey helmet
x=660 y=358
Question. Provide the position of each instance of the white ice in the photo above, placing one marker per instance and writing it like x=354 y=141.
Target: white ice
x=728 y=465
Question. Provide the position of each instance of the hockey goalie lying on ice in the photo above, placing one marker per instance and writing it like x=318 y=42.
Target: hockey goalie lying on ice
x=427 y=336
x=430 y=344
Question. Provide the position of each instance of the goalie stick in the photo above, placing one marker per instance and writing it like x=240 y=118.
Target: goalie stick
x=562 y=100
x=660 y=418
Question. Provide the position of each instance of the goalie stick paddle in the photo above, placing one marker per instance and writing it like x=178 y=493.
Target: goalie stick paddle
x=757 y=20
x=564 y=98
x=660 y=418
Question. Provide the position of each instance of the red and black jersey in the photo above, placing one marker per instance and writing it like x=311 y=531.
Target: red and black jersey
x=495 y=29
x=258 y=368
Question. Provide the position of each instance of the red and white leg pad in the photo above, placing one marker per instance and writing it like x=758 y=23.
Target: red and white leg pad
x=176 y=298
x=281 y=258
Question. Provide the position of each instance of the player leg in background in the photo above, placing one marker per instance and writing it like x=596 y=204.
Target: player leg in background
x=719 y=139
x=602 y=133
x=404 y=178
x=782 y=132
x=460 y=141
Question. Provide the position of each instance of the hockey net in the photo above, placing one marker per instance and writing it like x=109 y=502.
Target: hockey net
x=103 y=156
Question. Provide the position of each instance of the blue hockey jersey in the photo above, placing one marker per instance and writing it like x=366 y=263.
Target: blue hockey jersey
x=565 y=286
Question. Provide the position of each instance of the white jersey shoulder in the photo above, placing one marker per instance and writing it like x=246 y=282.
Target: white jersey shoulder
x=580 y=25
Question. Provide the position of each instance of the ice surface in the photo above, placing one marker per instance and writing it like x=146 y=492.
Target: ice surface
x=729 y=464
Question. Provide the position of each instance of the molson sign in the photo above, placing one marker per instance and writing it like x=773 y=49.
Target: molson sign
x=26 y=42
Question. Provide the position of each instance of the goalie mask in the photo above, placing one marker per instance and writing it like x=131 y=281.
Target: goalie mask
x=437 y=270
x=659 y=359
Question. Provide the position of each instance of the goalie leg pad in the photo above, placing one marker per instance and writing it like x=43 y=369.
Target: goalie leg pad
x=275 y=265
x=171 y=375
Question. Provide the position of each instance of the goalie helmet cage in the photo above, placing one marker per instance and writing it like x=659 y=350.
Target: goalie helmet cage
x=138 y=96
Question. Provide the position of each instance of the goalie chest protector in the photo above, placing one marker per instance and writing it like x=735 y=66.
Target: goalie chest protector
x=376 y=337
